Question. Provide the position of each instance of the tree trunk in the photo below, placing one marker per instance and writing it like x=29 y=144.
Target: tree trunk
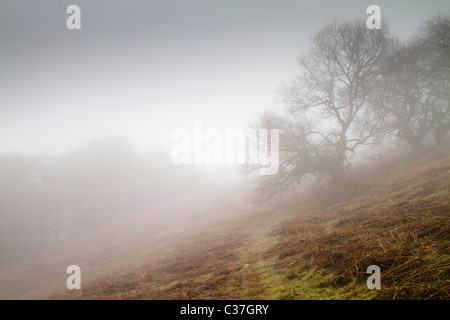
x=440 y=135
x=338 y=170
x=414 y=142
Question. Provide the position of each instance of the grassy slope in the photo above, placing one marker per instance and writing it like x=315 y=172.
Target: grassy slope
x=402 y=226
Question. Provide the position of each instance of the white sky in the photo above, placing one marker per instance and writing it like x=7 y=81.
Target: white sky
x=142 y=69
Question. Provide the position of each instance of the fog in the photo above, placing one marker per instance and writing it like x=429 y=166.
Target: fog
x=142 y=70
x=87 y=117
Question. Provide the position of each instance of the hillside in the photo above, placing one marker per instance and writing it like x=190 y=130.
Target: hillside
x=401 y=225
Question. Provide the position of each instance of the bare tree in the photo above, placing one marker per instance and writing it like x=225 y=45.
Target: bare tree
x=327 y=116
x=301 y=156
x=435 y=35
x=405 y=97
x=340 y=70
x=413 y=94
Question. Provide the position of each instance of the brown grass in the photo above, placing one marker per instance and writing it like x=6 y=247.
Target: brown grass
x=202 y=266
x=402 y=227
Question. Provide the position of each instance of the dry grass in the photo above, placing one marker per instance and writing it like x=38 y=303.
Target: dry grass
x=202 y=266
x=402 y=227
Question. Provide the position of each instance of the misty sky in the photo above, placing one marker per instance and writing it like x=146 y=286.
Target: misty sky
x=142 y=69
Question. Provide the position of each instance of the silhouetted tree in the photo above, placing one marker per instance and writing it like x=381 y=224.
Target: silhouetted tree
x=327 y=116
x=435 y=35
x=413 y=94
